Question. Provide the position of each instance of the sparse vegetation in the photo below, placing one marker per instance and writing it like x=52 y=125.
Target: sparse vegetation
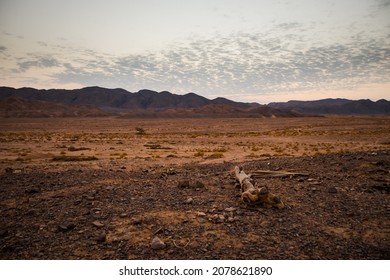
x=199 y=153
x=73 y=158
x=140 y=131
x=73 y=149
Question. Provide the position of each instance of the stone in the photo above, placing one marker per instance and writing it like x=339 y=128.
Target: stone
x=98 y=224
x=183 y=184
x=230 y=209
x=201 y=214
x=63 y=227
x=102 y=237
x=137 y=221
x=230 y=219
x=221 y=218
x=189 y=200
x=332 y=190
x=157 y=244
x=199 y=185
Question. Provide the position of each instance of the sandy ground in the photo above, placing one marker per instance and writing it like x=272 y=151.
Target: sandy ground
x=98 y=189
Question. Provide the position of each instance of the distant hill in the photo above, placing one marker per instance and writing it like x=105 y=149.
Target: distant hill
x=336 y=107
x=19 y=107
x=97 y=101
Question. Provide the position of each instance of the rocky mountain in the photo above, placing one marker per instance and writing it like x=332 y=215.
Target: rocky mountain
x=19 y=107
x=96 y=101
x=336 y=107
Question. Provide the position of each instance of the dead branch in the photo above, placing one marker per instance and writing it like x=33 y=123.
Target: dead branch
x=280 y=173
x=253 y=195
x=181 y=247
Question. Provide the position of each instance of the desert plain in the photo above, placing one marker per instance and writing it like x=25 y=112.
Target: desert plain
x=104 y=188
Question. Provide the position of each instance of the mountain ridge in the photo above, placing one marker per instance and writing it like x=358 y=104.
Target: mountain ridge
x=144 y=103
x=99 y=101
x=336 y=106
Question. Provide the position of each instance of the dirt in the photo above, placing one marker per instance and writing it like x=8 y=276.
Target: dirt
x=100 y=206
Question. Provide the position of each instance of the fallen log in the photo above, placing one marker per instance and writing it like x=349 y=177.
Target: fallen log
x=279 y=173
x=253 y=195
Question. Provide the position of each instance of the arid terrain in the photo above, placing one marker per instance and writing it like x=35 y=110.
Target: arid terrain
x=104 y=188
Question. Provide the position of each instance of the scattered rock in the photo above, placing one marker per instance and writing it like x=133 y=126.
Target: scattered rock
x=183 y=184
x=157 y=244
x=221 y=218
x=198 y=185
x=3 y=232
x=102 y=237
x=230 y=209
x=189 y=200
x=9 y=170
x=187 y=184
x=332 y=190
x=63 y=227
x=31 y=191
x=201 y=214
x=98 y=224
x=123 y=215
x=137 y=221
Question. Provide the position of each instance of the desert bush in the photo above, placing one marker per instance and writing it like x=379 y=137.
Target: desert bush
x=199 y=153
x=140 y=130
x=220 y=150
x=73 y=158
x=73 y=149
x=215 y=155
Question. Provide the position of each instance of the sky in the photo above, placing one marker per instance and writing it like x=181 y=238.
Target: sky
x=245 y=50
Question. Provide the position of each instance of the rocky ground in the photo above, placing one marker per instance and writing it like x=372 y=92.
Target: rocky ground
x=341 y=210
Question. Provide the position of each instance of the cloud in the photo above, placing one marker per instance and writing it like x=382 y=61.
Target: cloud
x=383 y=4
x=282 y=59
x=245 y=62
x=37 y=61
x=41 y=43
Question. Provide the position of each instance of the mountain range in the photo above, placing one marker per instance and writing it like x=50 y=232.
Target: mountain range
x=337 y=106
x=98 y=101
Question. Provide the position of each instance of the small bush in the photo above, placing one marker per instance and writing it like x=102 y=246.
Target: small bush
x=199 y=154
x=140 y=130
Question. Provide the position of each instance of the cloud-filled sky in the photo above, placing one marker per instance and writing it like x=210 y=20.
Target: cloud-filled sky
x=245 y=50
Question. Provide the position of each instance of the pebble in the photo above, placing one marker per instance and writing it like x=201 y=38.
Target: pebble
x=183 y=184
x=332 y=190
x=102 y=237
x=199 y=185
x=157 y=244
x=66 y=227
x=201 y=214
x=123 y=215
x=230 y=209
x=98 y=224
x=221 y=218
x=137 y=221
x=189 y=200
x=62 y=227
